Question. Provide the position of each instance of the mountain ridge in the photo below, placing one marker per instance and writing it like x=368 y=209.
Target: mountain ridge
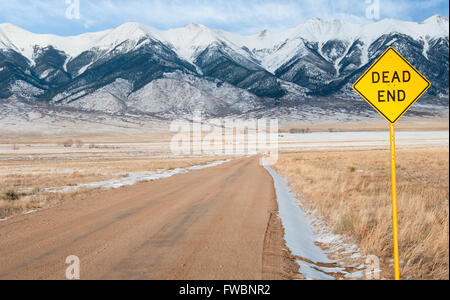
x=319 y=57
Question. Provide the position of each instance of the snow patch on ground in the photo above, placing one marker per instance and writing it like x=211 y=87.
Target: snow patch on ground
x=24 y=214
x=363 y=139
x=304 y=233
x=136 y=177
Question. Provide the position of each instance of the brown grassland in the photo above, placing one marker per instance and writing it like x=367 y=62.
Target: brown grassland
x=23 y=182
x=352 y=190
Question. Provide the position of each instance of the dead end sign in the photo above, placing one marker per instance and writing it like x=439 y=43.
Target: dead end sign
x=391 y=85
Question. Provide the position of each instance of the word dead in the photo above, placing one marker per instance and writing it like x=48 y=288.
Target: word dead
x=391 y=95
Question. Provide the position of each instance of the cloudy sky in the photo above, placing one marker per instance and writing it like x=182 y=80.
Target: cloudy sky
x=244 y=16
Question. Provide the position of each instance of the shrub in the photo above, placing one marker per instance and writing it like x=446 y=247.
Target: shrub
x=79 y=143
x=68 y=143
x=10 y=196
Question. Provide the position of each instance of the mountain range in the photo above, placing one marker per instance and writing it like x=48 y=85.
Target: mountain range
x=136 y=69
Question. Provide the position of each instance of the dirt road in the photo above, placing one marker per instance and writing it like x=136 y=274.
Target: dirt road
x=217 y=223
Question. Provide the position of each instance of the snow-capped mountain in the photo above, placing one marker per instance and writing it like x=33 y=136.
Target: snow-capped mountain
x=137 y=68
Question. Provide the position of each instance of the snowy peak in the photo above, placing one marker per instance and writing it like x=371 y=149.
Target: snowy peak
x=195 y=26
x=193 y=38
x=190 y=40
x=127 y=31
x=25 y=42
x=439 y=23
x=437 y=19
x=319 y=30
x=318 y=57
x=8 y=34
x=8 y=28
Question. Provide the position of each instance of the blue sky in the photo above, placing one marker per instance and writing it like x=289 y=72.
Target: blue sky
x=242 y=16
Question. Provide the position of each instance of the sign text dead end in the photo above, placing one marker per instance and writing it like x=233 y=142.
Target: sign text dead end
x=391 y=85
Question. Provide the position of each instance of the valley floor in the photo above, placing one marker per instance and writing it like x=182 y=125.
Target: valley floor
x=340 y=172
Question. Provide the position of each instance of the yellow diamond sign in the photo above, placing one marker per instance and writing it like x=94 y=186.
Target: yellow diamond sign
x=391 y=85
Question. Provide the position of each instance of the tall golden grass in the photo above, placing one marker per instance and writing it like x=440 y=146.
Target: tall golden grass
x=352 y=190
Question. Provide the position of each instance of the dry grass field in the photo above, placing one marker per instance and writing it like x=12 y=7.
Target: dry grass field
x=23 y=183
x=352 y=190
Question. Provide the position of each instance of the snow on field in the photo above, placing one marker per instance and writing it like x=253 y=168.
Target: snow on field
x=326 y=140
x=303 y=233
x=213 y=164
x=369 y=135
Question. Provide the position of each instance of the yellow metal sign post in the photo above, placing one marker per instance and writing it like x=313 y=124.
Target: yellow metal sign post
x=394 y=203
x=391 y=86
